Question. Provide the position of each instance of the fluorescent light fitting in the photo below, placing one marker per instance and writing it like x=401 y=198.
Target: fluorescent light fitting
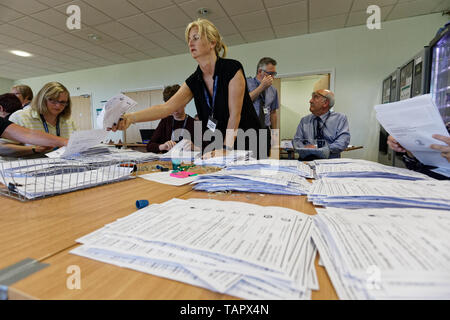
x=21 y=53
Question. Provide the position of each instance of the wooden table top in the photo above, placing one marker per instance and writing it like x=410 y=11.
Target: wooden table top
x=46 y=230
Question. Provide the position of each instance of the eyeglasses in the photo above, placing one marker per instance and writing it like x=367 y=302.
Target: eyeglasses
x=316 y=94
x=270 y=73
x=61 y=103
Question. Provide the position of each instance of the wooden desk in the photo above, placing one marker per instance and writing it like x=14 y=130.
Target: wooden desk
x=38 y=229
x=46 y=230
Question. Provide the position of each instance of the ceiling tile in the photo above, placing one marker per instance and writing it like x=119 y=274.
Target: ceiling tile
x=114 y=8
x=54 y=3
x=37 y=26
x=251 y=21
x=141 y=23
x=18 y=33
x=258 y=35
x=165 y=39
x=289 y=13
x=89 y=15
x=9 y=41
x=233 y=39
x=362 y=5
x=324 y=8
x=158 y=52
x=170 y=17
x=7 y=14
x=26 y=7
x=328 y=23
x=146 y=5
x=277 y=3
x=137 y=56
x=116 y=30
x=140 y=43
x=71 y=40
x=413 y=8
x=85 y=33
x=80 y=54
x=225 y=26
x=290 y=30
x=53 y=18
x=235 y=7
x=215 y=10
x=119 y=47
x=443 y=6
x=360 y=17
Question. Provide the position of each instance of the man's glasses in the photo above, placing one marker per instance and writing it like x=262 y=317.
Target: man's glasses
x=315 y=95
x=61 y=103
x=270 y=73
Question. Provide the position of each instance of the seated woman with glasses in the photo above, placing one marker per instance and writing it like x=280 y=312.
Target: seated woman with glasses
x=50 y=112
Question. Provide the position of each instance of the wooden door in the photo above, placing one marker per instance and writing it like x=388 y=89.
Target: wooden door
x=82 y=112
x=144 y=99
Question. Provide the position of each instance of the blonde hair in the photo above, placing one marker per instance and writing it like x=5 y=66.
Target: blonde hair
x=51 y=90
x=208 y=30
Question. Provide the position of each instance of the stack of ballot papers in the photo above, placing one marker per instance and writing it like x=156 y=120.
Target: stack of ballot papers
x=385 y=253
x=36 y=178
x=262 y=176
x=289 y=166
x=235 y=248
x=379 y=193
x=222 y=161
x=347 y=168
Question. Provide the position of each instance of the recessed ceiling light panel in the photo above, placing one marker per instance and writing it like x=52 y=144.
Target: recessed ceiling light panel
x=21 y=53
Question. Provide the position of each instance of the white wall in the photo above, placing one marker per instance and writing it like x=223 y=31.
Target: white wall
x=5 y=85
x=360 y=57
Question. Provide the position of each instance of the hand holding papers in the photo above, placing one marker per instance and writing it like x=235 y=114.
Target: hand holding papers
x=115 y=108
x=412 y=123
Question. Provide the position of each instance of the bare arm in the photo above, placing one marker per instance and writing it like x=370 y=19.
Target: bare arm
x=236 y=92
x=25 y=135
x=160 y=111
x=17 y=150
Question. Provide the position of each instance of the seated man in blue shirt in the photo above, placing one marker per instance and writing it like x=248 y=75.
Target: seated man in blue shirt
x=328 y=129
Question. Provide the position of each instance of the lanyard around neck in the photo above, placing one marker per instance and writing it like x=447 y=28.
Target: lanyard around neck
x=213 y=97
x=58 y=133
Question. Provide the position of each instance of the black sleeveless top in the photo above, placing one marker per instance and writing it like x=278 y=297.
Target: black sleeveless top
x=225 y=70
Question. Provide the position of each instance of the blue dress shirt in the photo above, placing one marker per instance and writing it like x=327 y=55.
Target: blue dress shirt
x=335 y=130
x=268 y=99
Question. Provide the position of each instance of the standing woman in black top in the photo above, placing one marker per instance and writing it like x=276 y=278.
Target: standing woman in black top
x=218 y=87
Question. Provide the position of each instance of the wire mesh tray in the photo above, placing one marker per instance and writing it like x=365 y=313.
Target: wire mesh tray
x=39 y=178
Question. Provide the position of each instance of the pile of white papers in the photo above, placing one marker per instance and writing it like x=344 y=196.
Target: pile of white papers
x=222 y=161
x=262 y=176
x=347 y=168
x=385 y=253
x=240 y=249
x=379 y=193
x=167 y=178
x=42 y=177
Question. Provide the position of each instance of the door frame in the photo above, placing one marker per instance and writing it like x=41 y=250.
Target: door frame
x=331 y=71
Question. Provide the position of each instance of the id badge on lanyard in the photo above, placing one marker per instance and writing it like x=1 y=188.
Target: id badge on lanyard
x=212 y=123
